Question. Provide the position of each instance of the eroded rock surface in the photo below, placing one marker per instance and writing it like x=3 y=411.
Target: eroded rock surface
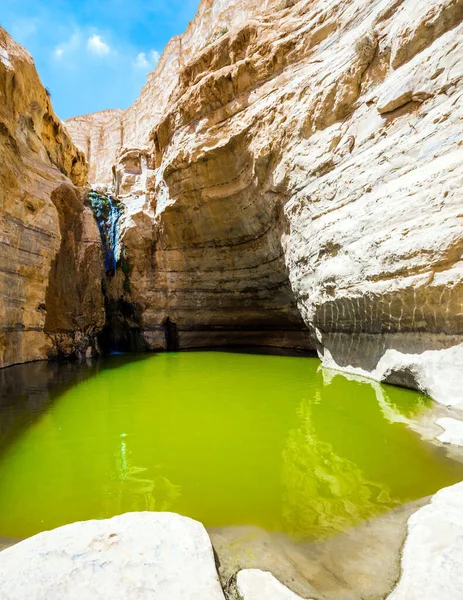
x=50 y=251
x=300 y=158
x=135 y=555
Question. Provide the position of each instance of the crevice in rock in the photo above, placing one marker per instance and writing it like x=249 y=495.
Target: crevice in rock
x=171 y=334
x=122 y=331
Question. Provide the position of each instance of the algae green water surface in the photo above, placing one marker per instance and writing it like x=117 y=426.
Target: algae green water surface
x=221 y=437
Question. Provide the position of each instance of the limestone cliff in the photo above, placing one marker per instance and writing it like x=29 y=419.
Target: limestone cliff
x=50 y=253
x=295 y=158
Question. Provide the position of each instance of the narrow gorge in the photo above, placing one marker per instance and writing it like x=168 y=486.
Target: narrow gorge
x=288 y=182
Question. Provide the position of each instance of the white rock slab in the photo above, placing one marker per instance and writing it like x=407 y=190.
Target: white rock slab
x=453 y=433
x=254 y=584
x=135 y=556
x=432 y=560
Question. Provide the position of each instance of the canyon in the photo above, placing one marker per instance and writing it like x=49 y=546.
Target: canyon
x=288 y=177
x=337 y=226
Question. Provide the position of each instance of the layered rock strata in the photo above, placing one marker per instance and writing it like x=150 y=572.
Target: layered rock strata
x=300 y=158
x=50 y=251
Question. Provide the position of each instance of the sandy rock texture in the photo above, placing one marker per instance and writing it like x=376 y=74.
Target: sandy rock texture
x=254 y=584
x=100 y=136
x=432 y=558
x=50 y=251
x=135 y=555
x=295 y=158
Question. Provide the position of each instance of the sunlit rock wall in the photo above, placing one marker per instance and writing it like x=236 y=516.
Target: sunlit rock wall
x=99 y=136
x=304 y=158
x=50 y=253
x=376 y=236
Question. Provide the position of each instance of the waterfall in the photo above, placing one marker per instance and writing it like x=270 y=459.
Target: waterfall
x=107 y=213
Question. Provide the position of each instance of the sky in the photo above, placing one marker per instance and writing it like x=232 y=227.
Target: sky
x=94 y=54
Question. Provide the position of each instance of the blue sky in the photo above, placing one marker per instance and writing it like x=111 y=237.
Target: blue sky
x=94 y=54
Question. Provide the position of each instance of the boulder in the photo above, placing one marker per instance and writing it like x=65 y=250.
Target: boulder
x=134 y=556
x=432 y=559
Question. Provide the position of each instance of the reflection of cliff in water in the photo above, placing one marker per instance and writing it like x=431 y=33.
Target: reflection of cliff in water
x=353 y=456
x=324 y=493
x=27 y=391
x=130 y=490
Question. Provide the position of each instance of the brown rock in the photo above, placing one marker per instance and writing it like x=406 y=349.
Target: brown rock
x=50 y=254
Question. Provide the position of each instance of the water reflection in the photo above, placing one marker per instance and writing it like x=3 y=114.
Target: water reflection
x=227 y=439
x=129 y=491
x=324 y=493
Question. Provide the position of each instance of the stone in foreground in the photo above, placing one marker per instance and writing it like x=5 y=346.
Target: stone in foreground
x=133 y=556
x=432 y=560
x=453 y=433
x=254 y=584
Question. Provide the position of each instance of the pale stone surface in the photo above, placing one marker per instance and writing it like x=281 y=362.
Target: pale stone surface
x=434 y=372
x=99 y=136
x=453 y=431
x=432 y=560
x=136 y=555
x=254 y=584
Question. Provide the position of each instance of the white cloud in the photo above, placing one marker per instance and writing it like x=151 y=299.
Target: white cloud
x=68 y=47
x=146 y=62
x=97 y=46
x=141 y=61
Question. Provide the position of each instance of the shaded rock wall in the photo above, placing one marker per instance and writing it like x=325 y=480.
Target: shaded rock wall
x=295 y=158
x=50 y=252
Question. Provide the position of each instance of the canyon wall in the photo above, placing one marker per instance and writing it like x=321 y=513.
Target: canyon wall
x=301 y=158
x=289 y=176
x=50 y=252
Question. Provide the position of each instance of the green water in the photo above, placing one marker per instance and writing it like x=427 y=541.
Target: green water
x=225 y=438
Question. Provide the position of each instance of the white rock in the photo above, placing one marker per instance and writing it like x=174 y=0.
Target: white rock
x=254 y=584
x=135 y=556
x=432 y=560
x=453 y=433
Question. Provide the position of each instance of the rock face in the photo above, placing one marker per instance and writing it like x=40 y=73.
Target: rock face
x=50 y=251
x=100 y=136
x=299 y=158
x=135 y=555
x=289 y=176
x=432 y=558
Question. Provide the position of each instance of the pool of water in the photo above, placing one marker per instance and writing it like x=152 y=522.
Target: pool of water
x=225 y=438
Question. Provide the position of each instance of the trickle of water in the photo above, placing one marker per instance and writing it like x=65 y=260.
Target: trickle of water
x=107 y=213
